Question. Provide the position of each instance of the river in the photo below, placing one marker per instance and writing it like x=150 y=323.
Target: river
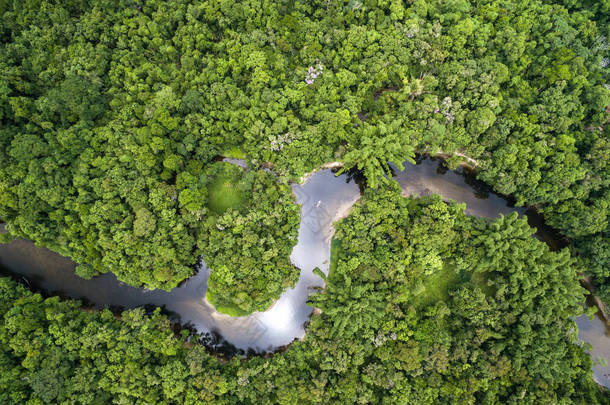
x=324 y=198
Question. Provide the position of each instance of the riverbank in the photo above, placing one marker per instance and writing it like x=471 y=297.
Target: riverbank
x=324 y=198
x=328 y=165
x=585 y=281
x=470 y=164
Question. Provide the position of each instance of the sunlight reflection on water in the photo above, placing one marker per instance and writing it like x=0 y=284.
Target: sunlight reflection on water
x=324 y=198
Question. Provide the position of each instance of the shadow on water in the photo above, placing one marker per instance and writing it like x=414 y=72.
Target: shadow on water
x=481 y=190
x=353 y=175
x=324 y=198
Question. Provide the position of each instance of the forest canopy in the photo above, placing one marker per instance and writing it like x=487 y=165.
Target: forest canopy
x=114 y=114
x=247 y=237
x=423 y=305
x=110 y=109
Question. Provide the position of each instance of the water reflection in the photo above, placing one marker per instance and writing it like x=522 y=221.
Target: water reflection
x=324 y=198
x=595 y=332
x=430 y=177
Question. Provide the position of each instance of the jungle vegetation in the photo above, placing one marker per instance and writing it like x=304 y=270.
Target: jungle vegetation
x=108 y=106
x=113 y=113
x=247 y=237
x=424 y=305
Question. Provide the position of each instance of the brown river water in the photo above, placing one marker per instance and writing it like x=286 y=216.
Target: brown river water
x=324 y=198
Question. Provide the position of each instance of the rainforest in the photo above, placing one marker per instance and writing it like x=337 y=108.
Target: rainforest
x=161 y=142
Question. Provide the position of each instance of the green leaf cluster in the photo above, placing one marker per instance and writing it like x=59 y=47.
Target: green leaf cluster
x=247 y=238
x=423 y=305
x=111 y=110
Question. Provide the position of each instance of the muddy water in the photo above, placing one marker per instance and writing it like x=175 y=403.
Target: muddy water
x=324 y=198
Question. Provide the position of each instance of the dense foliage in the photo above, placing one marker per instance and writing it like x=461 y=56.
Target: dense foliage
x=423 y=306
x=247 y=238
x=590 y=227
x=105 y=105
x=113 y=111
